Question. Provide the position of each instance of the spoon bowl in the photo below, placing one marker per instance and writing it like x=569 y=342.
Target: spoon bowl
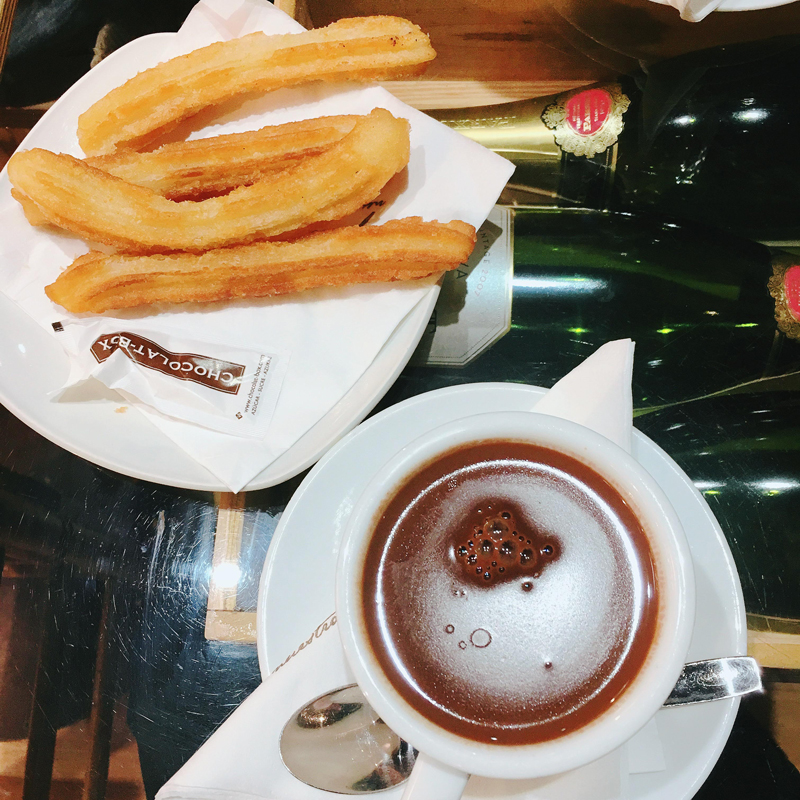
x=339 y=744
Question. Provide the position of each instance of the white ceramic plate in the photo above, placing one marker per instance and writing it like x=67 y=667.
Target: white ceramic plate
x=32 y=363
x=297 y=584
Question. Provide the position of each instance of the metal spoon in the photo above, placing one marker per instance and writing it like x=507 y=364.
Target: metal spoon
x=339 y=744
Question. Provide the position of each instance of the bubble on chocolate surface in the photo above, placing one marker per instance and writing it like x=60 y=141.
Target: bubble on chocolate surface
x=496 y=528
x=481 y=638
x=496 y=545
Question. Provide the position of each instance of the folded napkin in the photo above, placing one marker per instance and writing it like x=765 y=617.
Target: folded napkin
x=325 y=338
x=693 y=10
x=597 y=393
x=242 y=759
x=698 y=10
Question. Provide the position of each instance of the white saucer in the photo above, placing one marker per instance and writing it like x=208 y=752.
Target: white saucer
x=297 y=584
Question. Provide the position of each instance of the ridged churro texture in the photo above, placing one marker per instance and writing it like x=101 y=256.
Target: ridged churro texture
x=203 y=167
x=154 y=101
x=399 y=250
x=102 y=208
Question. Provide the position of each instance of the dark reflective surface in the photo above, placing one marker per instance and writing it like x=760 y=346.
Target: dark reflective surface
x=706 y=136
x=122 y=630
x=708 y=141
x=110 y=585
x=53 y=42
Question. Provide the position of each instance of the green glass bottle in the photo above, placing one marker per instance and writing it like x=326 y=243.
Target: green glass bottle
x=701 y=305
x=711 y=137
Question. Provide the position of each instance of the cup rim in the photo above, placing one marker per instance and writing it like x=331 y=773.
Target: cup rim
x=668 y=651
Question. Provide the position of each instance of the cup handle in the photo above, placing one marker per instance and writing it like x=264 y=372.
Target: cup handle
x=432 y=780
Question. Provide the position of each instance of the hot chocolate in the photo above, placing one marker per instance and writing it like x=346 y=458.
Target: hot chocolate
x=509 y=593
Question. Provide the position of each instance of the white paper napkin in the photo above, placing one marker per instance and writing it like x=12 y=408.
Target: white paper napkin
x=242 y=759
x=693 y=10
x=698 y=10
x=332 y=336
x=597 y=393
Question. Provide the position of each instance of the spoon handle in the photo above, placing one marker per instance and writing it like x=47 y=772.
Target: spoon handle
x=715 y=679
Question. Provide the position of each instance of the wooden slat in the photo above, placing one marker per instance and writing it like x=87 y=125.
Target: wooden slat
x=41 y=730
x=101 y=720
x=425 y=94
x=223 y=621
x=774 y=641
x=7 y=10
x=484 y=55
x=231 y=626
x=227 y=543
x=482 y=42
x=776 y=650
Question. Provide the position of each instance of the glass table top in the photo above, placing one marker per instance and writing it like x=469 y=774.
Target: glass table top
x=128 y=609
x=124 y=600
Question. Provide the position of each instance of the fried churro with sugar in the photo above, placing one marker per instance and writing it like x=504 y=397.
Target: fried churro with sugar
x=101 y=208
x=154 y=101
x=398 y=250
x=217 y=164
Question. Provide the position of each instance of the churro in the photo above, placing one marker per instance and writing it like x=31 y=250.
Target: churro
x=398 y=250
x=29 y=208
x=217 y=164
x=154 y=101
x=102 y=208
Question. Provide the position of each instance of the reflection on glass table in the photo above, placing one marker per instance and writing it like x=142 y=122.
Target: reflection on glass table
x=128 y=610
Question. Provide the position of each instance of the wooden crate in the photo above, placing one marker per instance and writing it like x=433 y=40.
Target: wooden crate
x=494 y=51
x=483 y=56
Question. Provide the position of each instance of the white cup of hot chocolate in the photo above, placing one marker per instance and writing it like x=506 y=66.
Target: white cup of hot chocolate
x=515 y=596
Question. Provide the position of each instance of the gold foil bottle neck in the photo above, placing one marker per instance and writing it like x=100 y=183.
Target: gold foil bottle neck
x=586 y=122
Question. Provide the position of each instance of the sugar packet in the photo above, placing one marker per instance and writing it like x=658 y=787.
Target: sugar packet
x=218 y=386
